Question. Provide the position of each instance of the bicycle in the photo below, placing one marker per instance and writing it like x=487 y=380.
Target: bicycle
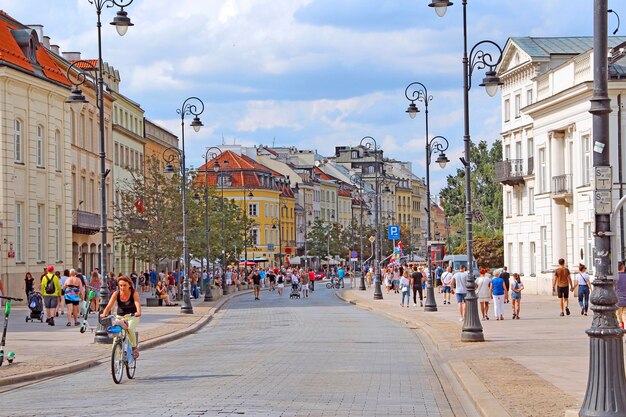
x=121 y=351
x=332 y=284
x=7 y=312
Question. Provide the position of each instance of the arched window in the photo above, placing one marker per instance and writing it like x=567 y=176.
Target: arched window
x=17 y=140
x=370 y=169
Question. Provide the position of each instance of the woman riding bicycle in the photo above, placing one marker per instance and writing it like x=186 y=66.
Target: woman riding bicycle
x=128 y=308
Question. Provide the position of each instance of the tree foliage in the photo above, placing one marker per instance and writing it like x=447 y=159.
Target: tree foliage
x=488 y=250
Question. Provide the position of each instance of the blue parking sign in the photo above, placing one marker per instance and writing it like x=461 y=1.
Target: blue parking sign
x=393 y=232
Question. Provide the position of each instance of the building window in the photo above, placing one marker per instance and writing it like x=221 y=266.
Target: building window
x=520 y=258
x=355 y=154
x=518 y=105
x=39 y=146
x=117 y=154
x=586 y=162
x=509 y=255
x=19 y=232
x=58 y=255
x=543 y=233
x=58 y=152
x=370 y=169
x=531 y=200
x=533 y=266
x=253 y=209
x=507 y=110
x=519 y=200
x=588 y=255
x=39 y=232
x=529 y=97
x=17 y=141
x=254 y=236
x=542 y=171
x=509 y=204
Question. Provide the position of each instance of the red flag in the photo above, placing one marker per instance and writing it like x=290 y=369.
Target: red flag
x=139 y=205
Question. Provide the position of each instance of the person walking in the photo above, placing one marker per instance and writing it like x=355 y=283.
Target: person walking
x=256 y=282
x=506 y=277
x=280 y=280
x=483 y=292
x=581 y=281
x=29 y=284
x=404 y=289
x=620 y=288
x=304 y=280
x=498 y=290
x=73 y=291
x=562 y=284
x=96 y=285
x=51 y=290
x=446 y=279
x=459 y=283
x=416 y=283
x=516 y=294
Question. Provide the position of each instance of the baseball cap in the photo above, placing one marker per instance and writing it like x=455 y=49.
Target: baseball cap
x=50 y=268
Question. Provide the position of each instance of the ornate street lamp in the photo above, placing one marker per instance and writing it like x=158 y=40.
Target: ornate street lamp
x=360 y=185
x=77 y=100
x=276 y=221
x=247 y=193
x=191 y=106
x=477 y=59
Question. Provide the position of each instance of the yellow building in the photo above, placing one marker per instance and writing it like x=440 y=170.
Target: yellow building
x=158 y=140
x=266 y=198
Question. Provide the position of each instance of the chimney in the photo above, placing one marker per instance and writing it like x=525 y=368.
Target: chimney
x=39 y=30
x=71 y=56
x=56 y=49
x=46 y=42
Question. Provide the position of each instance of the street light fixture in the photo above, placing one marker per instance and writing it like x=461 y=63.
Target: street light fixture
x=477 y=59
x=247 y=193
x=191 y=106
x=77 y=101
x=276 y=225
x=360 y=185
x=370 y=145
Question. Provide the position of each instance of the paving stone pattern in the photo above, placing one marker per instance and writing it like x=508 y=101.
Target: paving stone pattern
x=273 y=357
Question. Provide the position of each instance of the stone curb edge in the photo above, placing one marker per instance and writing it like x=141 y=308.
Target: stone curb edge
x=486 y=404
x=85 y=364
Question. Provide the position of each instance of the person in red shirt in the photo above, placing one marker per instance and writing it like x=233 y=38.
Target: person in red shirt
x=312 y=279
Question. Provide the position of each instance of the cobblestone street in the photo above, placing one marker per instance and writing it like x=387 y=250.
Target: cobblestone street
x=273 y=357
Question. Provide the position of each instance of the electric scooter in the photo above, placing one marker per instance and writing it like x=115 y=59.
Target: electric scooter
x=86 y=308
x=7 y=312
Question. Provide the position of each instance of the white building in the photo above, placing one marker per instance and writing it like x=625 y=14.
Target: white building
x=548 y=154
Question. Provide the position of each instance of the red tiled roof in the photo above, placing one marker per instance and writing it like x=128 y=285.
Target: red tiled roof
x=345 y=193
x=11 y=53
x=86 y=64
x=323 y=175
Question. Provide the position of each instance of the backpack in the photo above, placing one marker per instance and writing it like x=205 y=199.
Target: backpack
x=50 y=287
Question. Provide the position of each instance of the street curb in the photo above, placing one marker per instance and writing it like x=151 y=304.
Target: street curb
x=485 y=403
x=148 y=344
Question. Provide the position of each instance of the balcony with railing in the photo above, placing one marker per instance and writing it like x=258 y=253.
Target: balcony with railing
x=510 y=172
x=85 y=222
x=562 y=189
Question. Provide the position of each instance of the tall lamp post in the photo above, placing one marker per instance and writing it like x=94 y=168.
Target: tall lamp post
x=358 y=181
x=370 y=145
x=76 y=99
x=192 y=106
x=247 y=193
x=417 y=91
x=276 y=225
x=477 y=59
x=606 y=384
x=211 y=153
x=221 y=179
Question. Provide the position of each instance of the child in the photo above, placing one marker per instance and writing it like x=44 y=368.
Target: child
x=516 y=294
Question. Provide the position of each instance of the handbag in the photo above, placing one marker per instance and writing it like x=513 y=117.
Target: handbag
x=405 y=288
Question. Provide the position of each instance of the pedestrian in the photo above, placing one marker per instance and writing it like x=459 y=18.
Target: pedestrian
x=193 y=280
x=133 y=277
x=304 y=280
x=446 y=279
x=483 y=292
x=368 y=278
x=387 y=279
x=341 y=274
x=272 y=278
x=29 y=284
x=256 y=282
x=280 y=279
x=312 y=279
x=506 y=277
x=438 y=281
x=562 y=284
x=498 y=289
x=396 y=280
x=73 y=293
x=516 y=294
x=416 y=283
x=459 y=283
x=403 y=285
x=96 y=285
x=581 y=280
x=620 y=288
x=51 y=290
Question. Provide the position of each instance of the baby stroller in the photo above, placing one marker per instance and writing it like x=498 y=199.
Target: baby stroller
x=295 y=290
x=35 y=304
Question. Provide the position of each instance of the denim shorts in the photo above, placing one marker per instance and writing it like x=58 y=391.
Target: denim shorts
x=460 y=297
x=445 y=289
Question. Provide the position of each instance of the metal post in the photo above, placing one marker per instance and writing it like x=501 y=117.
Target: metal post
x=245 y=232
x=378 y=293
x=606 y=384
x=362 y=283
x=186 y=307
x=224 y=286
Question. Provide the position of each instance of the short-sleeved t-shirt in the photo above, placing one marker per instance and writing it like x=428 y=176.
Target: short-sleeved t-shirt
x=256 y=279
x=417 y=278
x=497 y=285
x=562 y=274
x=341 y=273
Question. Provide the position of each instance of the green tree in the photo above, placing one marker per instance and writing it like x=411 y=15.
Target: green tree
x=486 y=196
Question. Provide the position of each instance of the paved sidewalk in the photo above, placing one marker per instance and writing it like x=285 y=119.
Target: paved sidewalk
x=535 y=366
x=44 y=351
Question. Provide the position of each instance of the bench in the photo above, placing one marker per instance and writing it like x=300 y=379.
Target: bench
x=154 y=302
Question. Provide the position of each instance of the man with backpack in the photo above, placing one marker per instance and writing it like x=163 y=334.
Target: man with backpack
x=51 y=289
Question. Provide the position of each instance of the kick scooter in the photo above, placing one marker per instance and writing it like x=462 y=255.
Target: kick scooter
x=7 y=312
x=86 y=308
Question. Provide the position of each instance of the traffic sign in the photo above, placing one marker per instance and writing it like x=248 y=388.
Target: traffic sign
x=270 y=247
x=393 y=232
x=603 y=178
x=372 y=239
x=603 y=203
x=354 y=254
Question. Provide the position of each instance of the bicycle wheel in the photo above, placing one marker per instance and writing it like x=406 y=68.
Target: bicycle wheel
x=337 y=285
x=329 y=285
x=130 y=369
x=117 y=362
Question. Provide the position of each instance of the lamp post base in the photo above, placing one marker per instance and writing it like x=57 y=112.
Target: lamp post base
x=208 y=295
x=431 y=303
x=102 y=336
x=378 y=292
x=186 y=309
x=362 y=283
x=472 y=329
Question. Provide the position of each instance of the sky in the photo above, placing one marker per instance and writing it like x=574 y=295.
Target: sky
x=313 y=74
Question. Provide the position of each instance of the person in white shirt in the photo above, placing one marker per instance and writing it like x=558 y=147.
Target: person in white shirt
x=446 y=280
x=404 y=288
x=459 y=283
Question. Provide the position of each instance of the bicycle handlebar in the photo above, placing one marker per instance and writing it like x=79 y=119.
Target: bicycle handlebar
x=11 y=298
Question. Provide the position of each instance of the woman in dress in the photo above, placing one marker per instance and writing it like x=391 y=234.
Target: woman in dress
x=96 y=285
x=516 y=294
x=483 y=292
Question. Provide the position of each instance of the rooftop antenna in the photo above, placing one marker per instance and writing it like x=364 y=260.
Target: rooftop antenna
x=223 y=143
x=274 y=142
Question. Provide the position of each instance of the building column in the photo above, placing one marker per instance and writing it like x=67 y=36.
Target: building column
x=557 y=167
